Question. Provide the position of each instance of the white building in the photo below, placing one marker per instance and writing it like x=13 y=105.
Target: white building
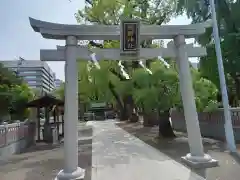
x=37 y=74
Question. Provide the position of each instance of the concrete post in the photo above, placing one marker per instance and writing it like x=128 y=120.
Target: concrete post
x=71 y=170
x=227 y=114
x=33 y=117
x=196 y=154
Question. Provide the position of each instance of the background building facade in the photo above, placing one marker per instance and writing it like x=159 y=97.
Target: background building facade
x=37 y=74
x=58 y=83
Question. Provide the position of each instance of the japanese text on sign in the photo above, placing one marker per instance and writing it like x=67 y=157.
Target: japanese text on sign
x=130 y=36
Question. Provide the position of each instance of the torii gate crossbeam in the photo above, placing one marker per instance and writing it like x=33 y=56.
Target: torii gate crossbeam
x=114 y=54
x=73 y=33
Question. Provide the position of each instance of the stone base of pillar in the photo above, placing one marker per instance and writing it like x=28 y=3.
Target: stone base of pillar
x=198 y=162
x=79 y=174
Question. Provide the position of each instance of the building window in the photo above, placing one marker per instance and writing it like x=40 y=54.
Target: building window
x=30 y=77
x=14 y=69
x=32 y=82
x=28 y=72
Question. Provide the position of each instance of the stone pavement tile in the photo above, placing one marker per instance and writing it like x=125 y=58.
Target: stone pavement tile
x=229 y=166
x=119 y=155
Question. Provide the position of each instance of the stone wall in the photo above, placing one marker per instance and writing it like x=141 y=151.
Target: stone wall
x=211 y=123
x=15 y=138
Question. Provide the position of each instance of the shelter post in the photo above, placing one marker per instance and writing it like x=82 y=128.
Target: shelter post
x=38 y=124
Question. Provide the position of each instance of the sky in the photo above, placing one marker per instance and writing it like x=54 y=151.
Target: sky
x=19 y=40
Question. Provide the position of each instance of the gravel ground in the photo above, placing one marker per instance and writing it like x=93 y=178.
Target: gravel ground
x=43 y=162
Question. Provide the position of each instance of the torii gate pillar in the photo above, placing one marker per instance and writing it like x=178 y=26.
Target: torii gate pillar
x=71 y=169
x=196 y=157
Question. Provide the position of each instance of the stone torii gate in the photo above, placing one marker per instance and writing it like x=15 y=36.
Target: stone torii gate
x=176 y=49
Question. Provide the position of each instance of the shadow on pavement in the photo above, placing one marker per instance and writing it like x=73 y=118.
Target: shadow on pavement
x=175 y=148
x=236 y=156
x=85 y=158
x=41 y=147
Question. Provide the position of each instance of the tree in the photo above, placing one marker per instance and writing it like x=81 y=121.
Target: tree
x=110 y=12
x=157 y=94
x=5 y=99
x=8 y=77
x=205 y=93
x=14 y=94
x=160 y=91
x=13 y=100
x=21 y=95
x=93 y=85
x=59 y=92
x=228 y=19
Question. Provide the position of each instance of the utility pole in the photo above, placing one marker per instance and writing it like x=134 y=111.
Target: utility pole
x=20 y=61
x=227 y=115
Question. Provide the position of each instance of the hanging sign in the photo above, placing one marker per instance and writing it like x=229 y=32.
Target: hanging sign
x=130 y=34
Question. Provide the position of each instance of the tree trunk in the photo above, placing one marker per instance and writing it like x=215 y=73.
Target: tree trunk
x=123 y=111
x=165 y=128
x=134 y=118
x=237 y=96
x=129 y=106
x=149 y=119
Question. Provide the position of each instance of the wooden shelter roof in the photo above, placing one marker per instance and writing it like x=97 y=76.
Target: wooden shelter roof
x=45 y=101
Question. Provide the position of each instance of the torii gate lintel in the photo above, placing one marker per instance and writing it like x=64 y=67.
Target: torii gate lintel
x=105 y=32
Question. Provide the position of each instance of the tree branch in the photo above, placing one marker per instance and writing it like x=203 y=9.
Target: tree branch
x=94 y=44
x=89 y=2
x=113 y=71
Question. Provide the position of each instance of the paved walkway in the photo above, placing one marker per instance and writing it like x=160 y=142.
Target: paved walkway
x=229 y=165
x=119 y=155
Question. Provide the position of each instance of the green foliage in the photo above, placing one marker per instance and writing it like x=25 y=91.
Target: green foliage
x=37 y=93
x=229 y=25
x=21 y=94
x=161 y=90
x=59 y=92
x=205 y=95
x=158 y=91
x=14 y=94
x=97 y=90
x=8 y=77
x=13 y=100
x=110 y=12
